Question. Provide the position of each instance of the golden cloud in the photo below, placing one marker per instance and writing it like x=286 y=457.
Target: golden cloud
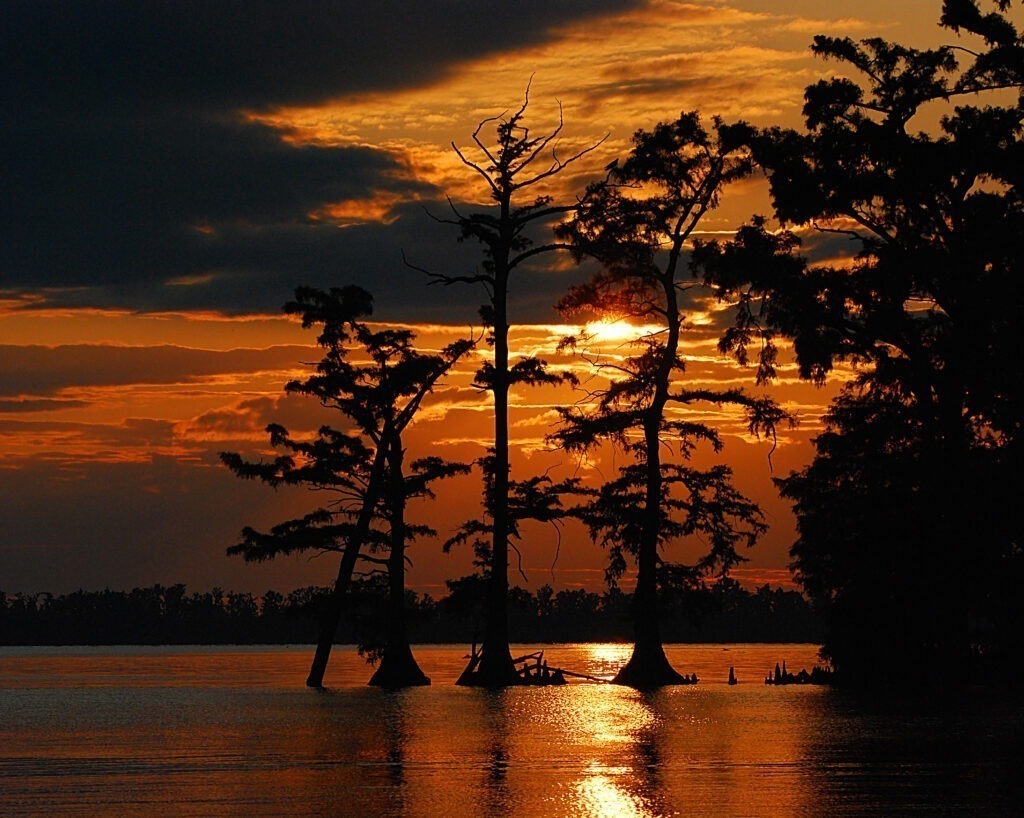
x=653 y=61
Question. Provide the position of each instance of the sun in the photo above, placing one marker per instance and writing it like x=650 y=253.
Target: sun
x=618 y=330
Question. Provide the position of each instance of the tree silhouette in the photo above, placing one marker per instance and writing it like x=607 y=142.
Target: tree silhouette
x=638 y=225
x=913 y=470
x=510 y=168
x=361 y=470
x=537 y=498
x=398 y=667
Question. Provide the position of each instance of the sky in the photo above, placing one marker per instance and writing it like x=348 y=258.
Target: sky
x=173 y=170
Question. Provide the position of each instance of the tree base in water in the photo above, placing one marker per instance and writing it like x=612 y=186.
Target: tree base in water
x=399 y=670
x=649 y=667
x=498 y=672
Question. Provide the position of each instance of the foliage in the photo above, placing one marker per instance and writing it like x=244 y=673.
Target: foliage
x=638 y=224
x=360 y=469
x=904 y=516
x=538 y=498
x=378 y=397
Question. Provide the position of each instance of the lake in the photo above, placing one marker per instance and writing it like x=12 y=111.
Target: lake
x=197 y=731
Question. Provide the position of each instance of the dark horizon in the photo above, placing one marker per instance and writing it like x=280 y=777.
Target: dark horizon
x=169 y=615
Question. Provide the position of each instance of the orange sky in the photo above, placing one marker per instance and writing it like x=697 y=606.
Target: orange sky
x=142 y=406
x=128 y=360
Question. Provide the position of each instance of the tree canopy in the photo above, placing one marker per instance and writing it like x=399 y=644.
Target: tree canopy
x=359 y=469
x=904 y=515
x=637 y=224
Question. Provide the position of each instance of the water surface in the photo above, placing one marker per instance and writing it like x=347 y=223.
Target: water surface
x=232 y=731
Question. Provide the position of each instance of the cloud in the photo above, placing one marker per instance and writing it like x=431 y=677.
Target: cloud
x=154 y=200
x=255 y=53
x=849 y=25
x=8 y=406
x=40 y=370
x=130 y=440
x=136 y=178
x=188 y=156
x=248 y=419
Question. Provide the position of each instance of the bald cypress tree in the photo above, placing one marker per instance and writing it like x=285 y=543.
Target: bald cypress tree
x=360 y=469
x=511 y=167
x=907 y=529
x=638 y=225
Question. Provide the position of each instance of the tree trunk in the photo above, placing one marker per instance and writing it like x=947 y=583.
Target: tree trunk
x=495 y=668
x=398 y=666
x=335 y=603
x=951 y=611
x=648 y=666
x=332 y=615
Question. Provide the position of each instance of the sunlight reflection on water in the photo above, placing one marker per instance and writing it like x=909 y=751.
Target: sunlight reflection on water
x=194 y=731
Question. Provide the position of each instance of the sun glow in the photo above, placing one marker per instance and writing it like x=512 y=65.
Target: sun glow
x=618 y=330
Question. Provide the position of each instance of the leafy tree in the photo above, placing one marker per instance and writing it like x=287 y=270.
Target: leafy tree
x=361 y=470
x=511 y=168
x=638 y=226
x=905 y=520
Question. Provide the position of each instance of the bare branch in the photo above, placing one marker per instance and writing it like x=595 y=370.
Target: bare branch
x=526 y=98
x=373 y=560
x=519 y=560
x=439 y=220
x=554 y=210
x=475 y=166
x=560 y=165
x=476 y=135
x=446 y=280
x=853 y=234
x=558 y=547
x=536 y=251
x=543 y=143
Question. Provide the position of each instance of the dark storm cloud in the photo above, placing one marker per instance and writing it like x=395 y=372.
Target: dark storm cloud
x=39 y=370
x=126 y=201
x=245 y=268
x=216 y=54
x=127 y=162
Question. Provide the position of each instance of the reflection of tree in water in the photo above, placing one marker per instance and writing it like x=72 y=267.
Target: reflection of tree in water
x=645 y=784
x=497 y=794
x=396 y=739
x=353 y=747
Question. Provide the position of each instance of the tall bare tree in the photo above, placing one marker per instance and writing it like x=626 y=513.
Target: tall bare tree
x=511 y=168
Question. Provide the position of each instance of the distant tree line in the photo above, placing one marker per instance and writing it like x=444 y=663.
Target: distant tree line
x=168 y=615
